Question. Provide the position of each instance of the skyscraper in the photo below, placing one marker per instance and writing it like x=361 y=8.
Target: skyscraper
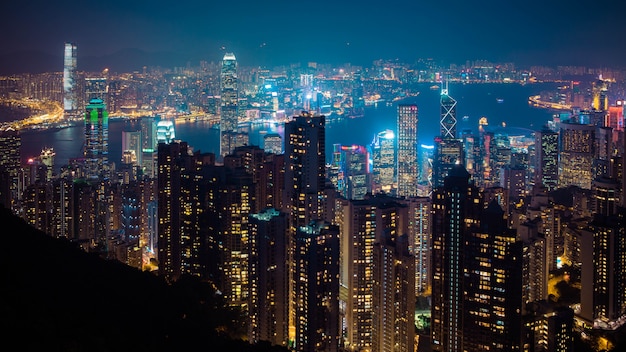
x=70 y=101
x=576 y=155
x=305 y=178
x=447 y=122
x=10 y=144
x=354 y=167
x=547 y=159
x=96 y=139
x=476 y=295
x=407 y=150
x=316 y=279
x=229 y=112
x=383 y=155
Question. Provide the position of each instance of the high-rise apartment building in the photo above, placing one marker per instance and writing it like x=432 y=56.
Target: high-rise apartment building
x=476 y=295
x=229 y=112
x=304 y=197
x=316 y=287
x=393 y=318
x=407 y=170
x=364 y=224
x=269 y=281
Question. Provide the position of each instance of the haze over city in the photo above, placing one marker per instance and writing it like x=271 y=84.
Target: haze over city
x=279 y=32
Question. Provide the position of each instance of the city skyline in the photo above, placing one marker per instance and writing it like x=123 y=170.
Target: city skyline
x=283 y=32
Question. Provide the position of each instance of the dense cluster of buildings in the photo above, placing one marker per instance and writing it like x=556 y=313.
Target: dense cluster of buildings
x=330 y=255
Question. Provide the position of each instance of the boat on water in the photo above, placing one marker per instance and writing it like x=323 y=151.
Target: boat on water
x=499 y=100
x=434 y=87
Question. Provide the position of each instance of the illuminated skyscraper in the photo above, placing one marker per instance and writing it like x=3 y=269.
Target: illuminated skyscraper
x=407 y=150
x=165 y=131
x=269 y=282
x=547 y=159
x=447 y=122
x=316 y=279
x=366 y=223
x=447 y=154
x=576 y=155
x=229 y=112
x=393 y=319
x=476 y=296
x=305 y=178
x=96 y=88
x=305 y=168
x=96 y=139
x=354 y=167
x=383 y=156
x=70 y=77
x=10 y=144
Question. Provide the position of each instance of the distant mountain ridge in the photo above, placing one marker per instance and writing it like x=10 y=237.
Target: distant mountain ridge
x=125 y=60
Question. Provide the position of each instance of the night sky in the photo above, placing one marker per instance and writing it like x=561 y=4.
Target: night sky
x=547 y=32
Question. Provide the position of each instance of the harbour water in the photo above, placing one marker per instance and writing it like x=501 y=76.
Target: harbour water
x=498 y=102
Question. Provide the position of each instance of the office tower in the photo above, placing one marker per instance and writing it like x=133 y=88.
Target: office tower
x=229 y=112
x=426 y=156
x=471 y=146
x=365 y=223
x=165 y=131
x=547 y=159
x=393 y=318
x=419 y=212
x=354 y=168
x=96 y=88
x=603 y=271
x=600 y=100
x=447 y=154
x=383 y=155
x=272 y=143
x=407 y=150
x=70 y=80
x=232 y=140
x=500 y=157
x=447 y=121
x=576 y=155
x=603 y=152
x=148 y=146
x=10 y=164
x=304 y=188
x=316 y=278
x=269 y=282
x=474 y=306
x=96 y=140
x=131 y=142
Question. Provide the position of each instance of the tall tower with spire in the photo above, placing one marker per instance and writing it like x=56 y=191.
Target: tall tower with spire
x=447 y=122
x=229 y=111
